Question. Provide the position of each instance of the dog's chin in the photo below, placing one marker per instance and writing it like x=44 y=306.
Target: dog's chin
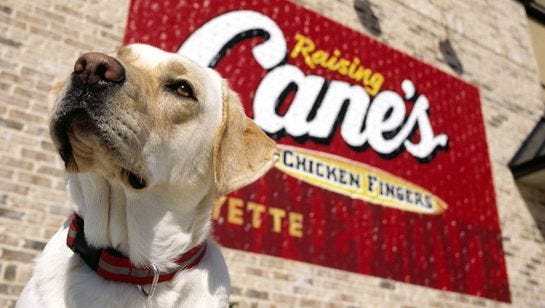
x=84 y=146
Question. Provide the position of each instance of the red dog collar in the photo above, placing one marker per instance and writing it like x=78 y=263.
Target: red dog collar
x=110 y=264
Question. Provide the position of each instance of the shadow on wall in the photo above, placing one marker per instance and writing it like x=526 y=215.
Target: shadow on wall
x=535 y=202
x=367 y=16
x=450 y=56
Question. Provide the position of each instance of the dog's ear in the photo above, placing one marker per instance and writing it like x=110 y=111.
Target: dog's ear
x=242 y=151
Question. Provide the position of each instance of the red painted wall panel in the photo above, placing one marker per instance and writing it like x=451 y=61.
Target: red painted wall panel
x=456 y=248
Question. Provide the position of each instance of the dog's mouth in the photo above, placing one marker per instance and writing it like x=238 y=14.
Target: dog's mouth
x=86 y=141
x=61 y=128
x=134 y=180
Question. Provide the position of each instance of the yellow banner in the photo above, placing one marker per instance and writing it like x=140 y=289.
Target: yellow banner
x=357 y=180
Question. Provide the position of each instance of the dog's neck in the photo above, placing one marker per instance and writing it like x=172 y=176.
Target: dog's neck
x=150 y=228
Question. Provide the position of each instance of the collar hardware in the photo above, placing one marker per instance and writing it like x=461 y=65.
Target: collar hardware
x=149 y=294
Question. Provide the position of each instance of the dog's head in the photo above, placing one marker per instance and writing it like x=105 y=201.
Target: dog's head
x=146 y=118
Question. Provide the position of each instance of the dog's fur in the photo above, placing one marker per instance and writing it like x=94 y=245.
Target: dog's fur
x=188 y=152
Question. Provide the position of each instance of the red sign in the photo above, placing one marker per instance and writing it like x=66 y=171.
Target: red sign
x=384 y=168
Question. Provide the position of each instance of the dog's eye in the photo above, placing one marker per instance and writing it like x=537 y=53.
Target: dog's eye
x=182 y=88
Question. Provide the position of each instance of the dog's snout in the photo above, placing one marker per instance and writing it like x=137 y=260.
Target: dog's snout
x=93 y=67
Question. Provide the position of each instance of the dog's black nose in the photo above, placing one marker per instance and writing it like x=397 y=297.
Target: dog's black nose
x=93 y=67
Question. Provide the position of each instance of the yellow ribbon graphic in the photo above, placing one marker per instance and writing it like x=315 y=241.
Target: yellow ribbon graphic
x=357 y=180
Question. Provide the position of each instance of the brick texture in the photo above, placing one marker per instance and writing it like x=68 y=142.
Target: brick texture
x=39 y=41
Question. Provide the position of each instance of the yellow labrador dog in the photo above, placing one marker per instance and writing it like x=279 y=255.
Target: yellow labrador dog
x=150 y=140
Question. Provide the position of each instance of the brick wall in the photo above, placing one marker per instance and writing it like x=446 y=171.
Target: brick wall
x=39 y=42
